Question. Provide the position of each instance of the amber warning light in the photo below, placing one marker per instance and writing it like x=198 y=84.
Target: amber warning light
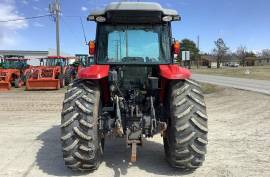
x=176 y=48
x=92 y=47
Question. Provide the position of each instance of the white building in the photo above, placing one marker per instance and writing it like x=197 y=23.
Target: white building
x=34 y=56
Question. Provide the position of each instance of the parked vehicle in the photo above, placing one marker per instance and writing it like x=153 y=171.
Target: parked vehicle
x=49 y=75
x=11 y=72
x=234 y=65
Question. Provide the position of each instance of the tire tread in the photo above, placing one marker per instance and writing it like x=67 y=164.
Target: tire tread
x=186 y=138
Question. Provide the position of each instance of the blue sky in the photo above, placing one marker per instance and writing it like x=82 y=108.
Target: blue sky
x=238 y=22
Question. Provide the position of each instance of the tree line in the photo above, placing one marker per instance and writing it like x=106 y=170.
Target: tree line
x=220 y=51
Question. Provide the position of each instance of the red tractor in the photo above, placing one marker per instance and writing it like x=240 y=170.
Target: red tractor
x=49 y=75
x=134 y=90
x=72 y=70
x=11 y=72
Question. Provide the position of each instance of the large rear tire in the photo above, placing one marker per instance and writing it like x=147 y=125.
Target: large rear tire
x=62 y=80
x=186 y=137
x=81 y=140
x=69 y=76
x=18 y=83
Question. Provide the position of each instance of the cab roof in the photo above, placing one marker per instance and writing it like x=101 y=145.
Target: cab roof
x=134 y=6
x=142 y=6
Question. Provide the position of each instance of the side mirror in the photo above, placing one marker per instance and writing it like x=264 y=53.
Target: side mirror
x=176 y=48
x=92 y=47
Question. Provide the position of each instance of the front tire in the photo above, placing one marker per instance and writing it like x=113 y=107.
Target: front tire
x=186 y=137
x=81 y=140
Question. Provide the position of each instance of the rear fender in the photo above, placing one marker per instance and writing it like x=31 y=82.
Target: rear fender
x=94 y=72
x=170 y=73
x=174 y=72
x=98 y=73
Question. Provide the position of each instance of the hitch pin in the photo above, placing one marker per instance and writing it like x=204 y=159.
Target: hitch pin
x=133 y=152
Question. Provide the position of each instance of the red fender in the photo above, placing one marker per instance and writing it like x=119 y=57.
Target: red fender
x=94 y=72
x=171 y=72
x=174 y=72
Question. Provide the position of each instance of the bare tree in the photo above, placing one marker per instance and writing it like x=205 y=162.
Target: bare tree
x=242 y=54
x=220 y=50
x=266 y=53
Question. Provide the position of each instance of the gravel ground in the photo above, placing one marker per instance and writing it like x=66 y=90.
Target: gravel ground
x=239 y=139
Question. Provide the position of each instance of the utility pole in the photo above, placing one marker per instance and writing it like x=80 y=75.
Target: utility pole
x=198 y=55
x=55 y=10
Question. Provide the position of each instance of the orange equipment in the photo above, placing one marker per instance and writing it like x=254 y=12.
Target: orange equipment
x=49 y=75
x=11 y=73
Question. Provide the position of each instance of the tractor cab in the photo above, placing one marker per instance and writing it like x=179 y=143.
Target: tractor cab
x=135 y=40
x=14 y=62
x=134 y=33
x=11 y=72
x=82 y=61
x=52 y=61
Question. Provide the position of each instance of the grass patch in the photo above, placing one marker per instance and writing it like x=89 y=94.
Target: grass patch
x=209 y=88
x=256 y=72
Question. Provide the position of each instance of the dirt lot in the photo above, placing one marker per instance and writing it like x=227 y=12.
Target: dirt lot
x=239 y=139
x=255 y=72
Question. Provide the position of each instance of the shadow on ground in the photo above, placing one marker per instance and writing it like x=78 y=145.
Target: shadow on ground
x=116 y=156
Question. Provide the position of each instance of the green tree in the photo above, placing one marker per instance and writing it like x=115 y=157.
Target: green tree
x=189 y=45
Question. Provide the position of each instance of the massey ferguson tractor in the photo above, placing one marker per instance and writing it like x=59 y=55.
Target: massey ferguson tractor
x=134 y=91
x=49 y=75
x=11 y=72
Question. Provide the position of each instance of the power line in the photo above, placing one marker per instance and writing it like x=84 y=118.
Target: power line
x=74 y=16
x=75 y=35
x=26 y=18
x=82 y=26
x=85 y=40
